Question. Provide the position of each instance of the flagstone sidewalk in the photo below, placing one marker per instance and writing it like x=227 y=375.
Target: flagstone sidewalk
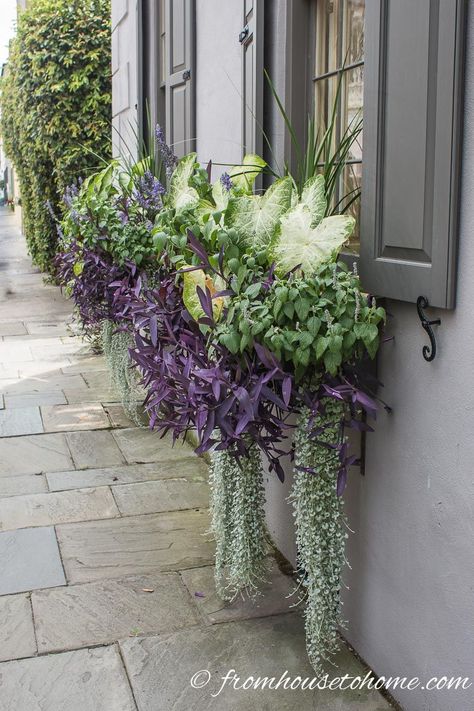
x=107 y=601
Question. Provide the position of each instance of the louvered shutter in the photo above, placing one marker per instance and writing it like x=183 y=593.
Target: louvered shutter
x=412 y=107
x=180 y=111
x=251 y=39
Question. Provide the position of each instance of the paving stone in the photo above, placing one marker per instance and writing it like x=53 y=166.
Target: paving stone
x=106 y=611
x=35 y=399
x=58 y=349
x=86 y=394
x=57 y=507
x=98 y=380
x=61 y=418
x=46 y=328
x=135 y=545
x=140 y=445
x=39 y=453
x=113 y=476
x=86 y=364
x=84 y=680
x=30 y=560
x=17 y=636
x=158 y=496
x=47 y=382
x=12 y=328
x=273 y=600
x=19 y=485
x=160 y=669
x=15 y=352
x=117 y=415
x=42 y=368
x=26 y=421
x=93 y=449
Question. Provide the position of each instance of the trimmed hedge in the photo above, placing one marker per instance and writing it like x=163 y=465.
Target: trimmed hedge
x=56 y=107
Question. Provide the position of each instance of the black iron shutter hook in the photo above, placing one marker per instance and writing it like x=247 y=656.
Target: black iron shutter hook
x=429 y=352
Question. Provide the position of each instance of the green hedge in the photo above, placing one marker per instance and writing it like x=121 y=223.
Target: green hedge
x=56 y=107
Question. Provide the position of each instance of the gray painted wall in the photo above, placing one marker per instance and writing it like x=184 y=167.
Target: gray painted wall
x=218 y=82
x=411 y=603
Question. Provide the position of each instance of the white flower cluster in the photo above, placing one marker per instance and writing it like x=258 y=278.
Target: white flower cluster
x=320 y=532
x=238 y=523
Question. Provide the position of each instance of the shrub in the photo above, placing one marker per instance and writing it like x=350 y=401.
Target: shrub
x=56 y=107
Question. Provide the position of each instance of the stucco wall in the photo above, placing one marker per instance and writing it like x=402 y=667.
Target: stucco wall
x=411 y=603
x=124 y=76
x=218 y=82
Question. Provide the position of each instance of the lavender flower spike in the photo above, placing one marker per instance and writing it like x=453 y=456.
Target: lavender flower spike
x=149 y=191
x=226 y=181
x=169 y=158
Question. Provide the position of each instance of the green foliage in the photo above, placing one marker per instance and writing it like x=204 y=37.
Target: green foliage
x=102 y=214
x=313 y=324
x=56 y=106
x=320 y=532
x=238 y=523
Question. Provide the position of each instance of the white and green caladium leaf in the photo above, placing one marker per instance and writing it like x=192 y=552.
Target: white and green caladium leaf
x=256 y=217
x=298 y=243
x=191 y=281
x=314 y=198
x=220 y=195
x=243 y=176
x=181 y=195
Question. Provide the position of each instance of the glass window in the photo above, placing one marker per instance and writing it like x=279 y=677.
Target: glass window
x=339 y=58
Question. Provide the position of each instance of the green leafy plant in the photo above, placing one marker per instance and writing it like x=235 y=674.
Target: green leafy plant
x=56 y=107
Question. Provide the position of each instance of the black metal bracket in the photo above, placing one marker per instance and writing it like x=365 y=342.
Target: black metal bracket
x=429 y=352
x=244 y=34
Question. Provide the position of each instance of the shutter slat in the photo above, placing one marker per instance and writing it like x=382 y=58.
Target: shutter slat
x=413 y=69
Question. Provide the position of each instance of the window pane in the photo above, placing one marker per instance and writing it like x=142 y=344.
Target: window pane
x=351 y=181
x=354 y=30
x=327 y=30
x=340 y=43
x=325 y=96
x=353 y=102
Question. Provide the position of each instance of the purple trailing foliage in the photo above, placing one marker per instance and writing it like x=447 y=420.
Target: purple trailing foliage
x=91 y=288
x=228 y=400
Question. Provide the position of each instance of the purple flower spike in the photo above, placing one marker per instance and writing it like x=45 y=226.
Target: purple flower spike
x=149 y=191
x=169 y=158
x=226 y=182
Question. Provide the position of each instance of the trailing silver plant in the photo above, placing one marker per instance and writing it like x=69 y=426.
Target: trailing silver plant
x=125 y=379
x=321 y=530
x=238 y=523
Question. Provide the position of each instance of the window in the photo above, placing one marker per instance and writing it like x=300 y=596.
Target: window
x=339 y=60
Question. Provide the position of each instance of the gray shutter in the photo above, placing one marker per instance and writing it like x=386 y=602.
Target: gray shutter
x=251 y=39
x=412 y=107
x=180 y=112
